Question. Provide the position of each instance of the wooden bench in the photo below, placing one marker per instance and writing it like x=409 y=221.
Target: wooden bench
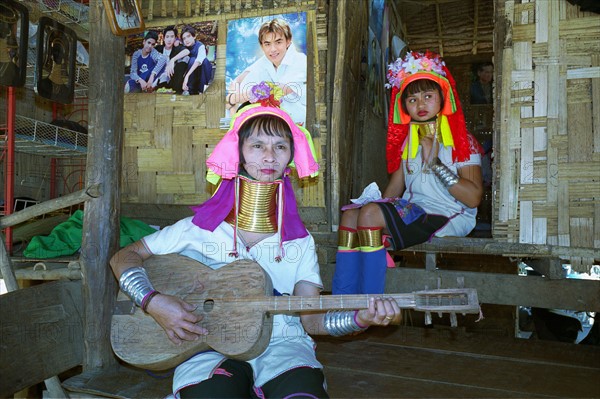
x=42 y=333
x=549 y=290
x=547 y=259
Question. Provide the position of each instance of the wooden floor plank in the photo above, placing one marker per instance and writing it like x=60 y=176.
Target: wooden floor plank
x=511 y=377
x=426 y=364
x=351 y=383
x=458 y=340
x=409 y=362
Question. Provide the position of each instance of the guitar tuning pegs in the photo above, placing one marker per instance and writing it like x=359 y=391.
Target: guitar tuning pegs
x=428 y=320
x=453 y=320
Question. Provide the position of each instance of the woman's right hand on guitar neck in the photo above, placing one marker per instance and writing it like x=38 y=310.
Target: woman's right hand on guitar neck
x=176 y=317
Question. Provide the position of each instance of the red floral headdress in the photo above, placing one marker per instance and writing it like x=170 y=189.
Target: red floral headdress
x=415 y=66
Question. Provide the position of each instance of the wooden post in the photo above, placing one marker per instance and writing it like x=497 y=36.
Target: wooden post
x=337 y=114
x=101 y=219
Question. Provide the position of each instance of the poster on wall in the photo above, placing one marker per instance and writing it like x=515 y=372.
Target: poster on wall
x=174 y=59
x=55 y=69
x=14 y=27
x=269 y=49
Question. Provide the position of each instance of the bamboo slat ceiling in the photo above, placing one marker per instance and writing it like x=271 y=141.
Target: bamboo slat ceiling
x=451 y=27
x=178 y=11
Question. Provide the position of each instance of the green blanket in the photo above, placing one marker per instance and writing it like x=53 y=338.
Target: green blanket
x=65 y=239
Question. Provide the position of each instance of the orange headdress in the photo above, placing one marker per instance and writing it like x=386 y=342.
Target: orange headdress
x=403 y=71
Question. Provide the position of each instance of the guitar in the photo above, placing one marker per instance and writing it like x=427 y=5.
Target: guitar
x=237 y=307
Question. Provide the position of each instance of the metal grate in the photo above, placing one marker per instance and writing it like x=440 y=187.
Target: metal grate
x=35 y=137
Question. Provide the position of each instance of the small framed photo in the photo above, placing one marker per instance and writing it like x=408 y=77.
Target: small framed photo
x=14 y=26
x=56 y=52
x=125 y=16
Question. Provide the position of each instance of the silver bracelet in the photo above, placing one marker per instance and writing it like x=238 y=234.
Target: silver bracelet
x=338 y=323
x=136 y=284
x=444 y=174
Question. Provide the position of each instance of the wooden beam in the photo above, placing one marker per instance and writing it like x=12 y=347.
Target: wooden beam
x=492 y=288
x=150 y=15
x=484 y=38
x=488 y=246
x=549 y=267
x=100 y=235
x=438 y=19
x=42 y=334
x=504 y=289
x=475 y=26
x=430 y=261
x=50 y=206
x=6 y=269
x=427 y=3
x=201 y=15
x=45 y=269
x=469 y=59
x=337 y=112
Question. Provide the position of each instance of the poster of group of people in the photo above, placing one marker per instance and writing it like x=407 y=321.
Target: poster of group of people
x=172 y=59
x=182 y=59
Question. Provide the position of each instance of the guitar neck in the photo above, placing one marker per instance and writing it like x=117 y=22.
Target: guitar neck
x=279 y=304
x=440 y=300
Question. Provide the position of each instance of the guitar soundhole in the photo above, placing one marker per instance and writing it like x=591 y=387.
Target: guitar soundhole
x=208 y=306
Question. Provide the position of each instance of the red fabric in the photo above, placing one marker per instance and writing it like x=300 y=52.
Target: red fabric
x=395 y=137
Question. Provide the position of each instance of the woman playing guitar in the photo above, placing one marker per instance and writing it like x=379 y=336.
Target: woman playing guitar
x=252 y=215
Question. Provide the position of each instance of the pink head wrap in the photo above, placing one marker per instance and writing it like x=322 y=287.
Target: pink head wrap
x=224 y=160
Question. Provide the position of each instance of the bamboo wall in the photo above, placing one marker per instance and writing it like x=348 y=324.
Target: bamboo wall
x=168 y=138
x=548 y=144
